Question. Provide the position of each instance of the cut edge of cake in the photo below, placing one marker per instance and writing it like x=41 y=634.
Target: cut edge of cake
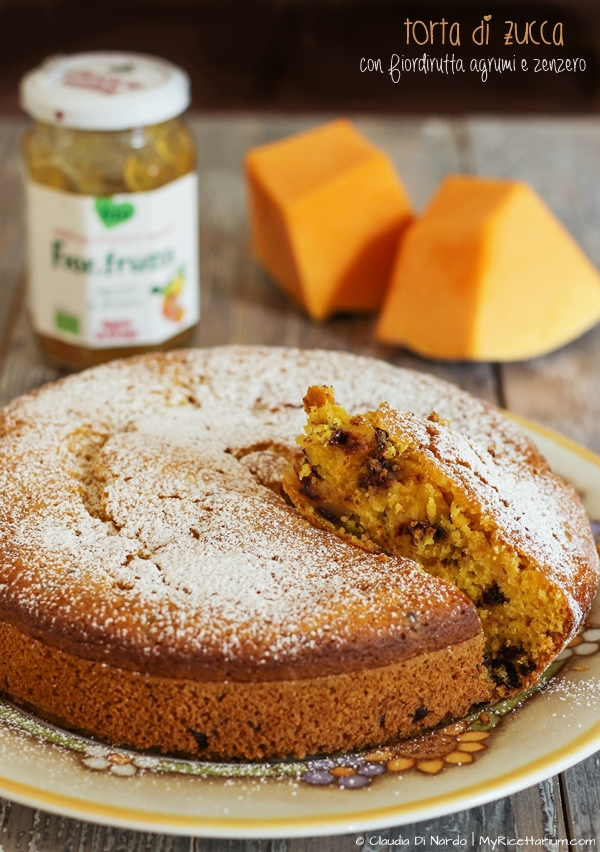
x=410 y=486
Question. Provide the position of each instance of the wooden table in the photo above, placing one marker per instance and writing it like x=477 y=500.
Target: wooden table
x=561 y=158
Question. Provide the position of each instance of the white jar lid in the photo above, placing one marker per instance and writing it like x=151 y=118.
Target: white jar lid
x=105 y=91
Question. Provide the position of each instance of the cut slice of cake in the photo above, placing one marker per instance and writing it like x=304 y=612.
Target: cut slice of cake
x=414 y=487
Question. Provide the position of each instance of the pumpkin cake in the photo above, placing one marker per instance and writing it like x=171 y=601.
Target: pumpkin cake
x=408 y=486
x=157 y=590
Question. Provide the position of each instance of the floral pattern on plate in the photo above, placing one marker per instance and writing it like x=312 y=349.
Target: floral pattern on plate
x=454 y=745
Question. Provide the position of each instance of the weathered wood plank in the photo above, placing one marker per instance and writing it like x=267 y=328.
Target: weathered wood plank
x=24 y=369
x=11 y=213
x=25 y=830
x=582 y=795
x=539 y=812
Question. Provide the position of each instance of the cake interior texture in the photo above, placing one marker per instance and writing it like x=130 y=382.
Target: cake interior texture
x=380 y=479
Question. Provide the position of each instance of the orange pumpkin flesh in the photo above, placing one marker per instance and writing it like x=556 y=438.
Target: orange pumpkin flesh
x=327 y=211
x=488 y=273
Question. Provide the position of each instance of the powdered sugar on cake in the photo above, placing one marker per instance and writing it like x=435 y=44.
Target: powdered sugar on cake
x=136 y=519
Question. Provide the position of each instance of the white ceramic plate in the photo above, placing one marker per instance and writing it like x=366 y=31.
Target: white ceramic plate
x=42 y=767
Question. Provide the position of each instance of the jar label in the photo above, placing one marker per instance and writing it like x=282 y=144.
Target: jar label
x=114 y=271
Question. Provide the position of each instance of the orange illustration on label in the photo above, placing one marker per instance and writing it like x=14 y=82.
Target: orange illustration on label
x=172 y=308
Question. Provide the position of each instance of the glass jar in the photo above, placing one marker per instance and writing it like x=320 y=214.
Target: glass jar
x=112 y=208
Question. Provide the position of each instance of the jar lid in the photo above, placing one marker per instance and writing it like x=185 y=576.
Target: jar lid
x=105 y=91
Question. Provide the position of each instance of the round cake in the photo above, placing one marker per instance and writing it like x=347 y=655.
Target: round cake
x=158 y=591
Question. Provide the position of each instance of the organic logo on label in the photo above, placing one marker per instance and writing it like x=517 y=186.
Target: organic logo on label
x=113 y=214
x=67 y=322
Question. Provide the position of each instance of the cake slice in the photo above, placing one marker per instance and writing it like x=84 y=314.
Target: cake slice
x=414 y=487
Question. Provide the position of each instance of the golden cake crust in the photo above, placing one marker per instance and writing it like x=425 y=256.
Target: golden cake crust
x=240 y=719
x=143 y=532
x=131 y=530
x=138 y=537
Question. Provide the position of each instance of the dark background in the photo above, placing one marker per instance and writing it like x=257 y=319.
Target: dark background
x=292 y=55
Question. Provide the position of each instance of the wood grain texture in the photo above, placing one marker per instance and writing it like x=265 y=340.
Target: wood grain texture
x=582 y=799
x=240 y=304
x=11 y=218
x=25 y=830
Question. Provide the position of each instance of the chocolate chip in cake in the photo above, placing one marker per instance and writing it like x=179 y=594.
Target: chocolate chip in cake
x=377 y=474
x=512 y=680
x=492 y=596
x=420 y=713
x=526 y=667
x=505 y=669
x=346 y=440
x=508 y=652
x=200 y=738
x=381 y=438
x=328 y=514
x=419 y=530
x=306 y=488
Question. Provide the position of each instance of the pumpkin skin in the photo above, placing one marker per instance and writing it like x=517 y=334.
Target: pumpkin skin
x=488 y=274
x=327 y=212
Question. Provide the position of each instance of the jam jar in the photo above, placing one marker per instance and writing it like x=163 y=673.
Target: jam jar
x=112 y=207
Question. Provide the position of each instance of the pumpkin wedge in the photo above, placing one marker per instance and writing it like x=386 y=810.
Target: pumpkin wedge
x=327 y=212
x=488 y=273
